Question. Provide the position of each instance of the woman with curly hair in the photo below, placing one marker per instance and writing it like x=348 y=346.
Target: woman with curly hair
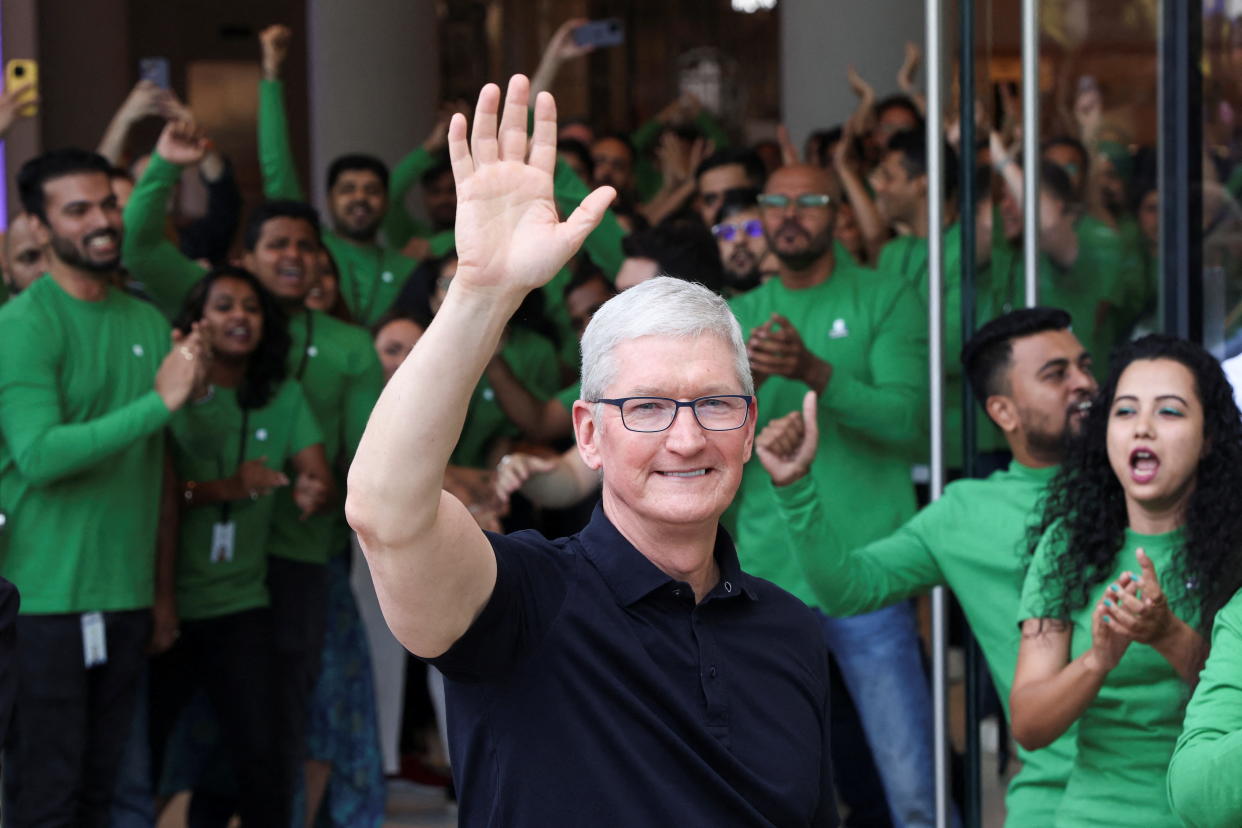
x=248 y=432
x=1151 y=486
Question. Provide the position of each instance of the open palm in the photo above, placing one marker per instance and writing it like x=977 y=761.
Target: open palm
x=509 y=236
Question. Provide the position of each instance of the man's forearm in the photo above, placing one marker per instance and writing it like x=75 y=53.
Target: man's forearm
x=398 y=470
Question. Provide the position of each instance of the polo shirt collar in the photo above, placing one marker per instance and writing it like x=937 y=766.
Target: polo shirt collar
x=631 y=576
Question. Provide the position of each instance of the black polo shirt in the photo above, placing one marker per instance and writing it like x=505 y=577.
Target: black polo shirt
x=592 y=690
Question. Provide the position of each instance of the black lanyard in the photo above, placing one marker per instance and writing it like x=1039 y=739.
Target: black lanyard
x=226 y=508
x=310 y=343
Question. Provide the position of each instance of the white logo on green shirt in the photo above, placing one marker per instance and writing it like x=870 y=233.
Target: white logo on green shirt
x=839 y=329
x=138 y=350
x=261 y=434
x=386 y=276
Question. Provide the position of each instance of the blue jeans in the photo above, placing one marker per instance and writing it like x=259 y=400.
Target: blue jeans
x=133 y=803
x=880 y=659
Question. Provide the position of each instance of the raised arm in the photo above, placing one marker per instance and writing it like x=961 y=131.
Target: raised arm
x=434 y=569
x=280 y=176
x=847 y=582
x=560 y=50
x=399 y=226
x=165 y=272
x=144 y=100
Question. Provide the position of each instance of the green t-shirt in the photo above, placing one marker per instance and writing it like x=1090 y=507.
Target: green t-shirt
x=971 y=540
x=81 y=449
x=1205 y=776
x=338 y=369
x=908 y=256
x=206 y=438
x=872 y=415
x=371 y=276
x=532 y=359
x=1127 y=733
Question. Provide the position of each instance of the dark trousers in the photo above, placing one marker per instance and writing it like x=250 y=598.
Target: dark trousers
x=9 y=603
x=70 y=723
x=299 y=595
x=230 y=657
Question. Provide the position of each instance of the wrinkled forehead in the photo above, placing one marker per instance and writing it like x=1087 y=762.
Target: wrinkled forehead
x=661 y=364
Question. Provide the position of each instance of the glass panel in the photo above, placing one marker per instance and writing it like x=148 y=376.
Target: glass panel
x=1098 y=131
x=1222 y=177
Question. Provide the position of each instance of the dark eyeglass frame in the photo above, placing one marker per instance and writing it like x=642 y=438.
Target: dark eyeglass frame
x=806 y=201
x=620 y=402
x=728 y=232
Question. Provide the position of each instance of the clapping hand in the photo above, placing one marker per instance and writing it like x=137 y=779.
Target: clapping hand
x=1137 y=607
x=510 y=239
x=776 y=348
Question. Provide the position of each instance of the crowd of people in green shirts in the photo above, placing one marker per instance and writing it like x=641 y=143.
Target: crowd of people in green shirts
x=176 y=423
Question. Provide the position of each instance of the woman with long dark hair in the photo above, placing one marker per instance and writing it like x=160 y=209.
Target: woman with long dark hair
x=248 y=432
x=1136 y=551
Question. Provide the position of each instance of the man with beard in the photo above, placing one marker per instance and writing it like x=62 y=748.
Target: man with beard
x=855 y=337
x=739 y=235
x=335 y=363
x=1034 y=380
x=87 y=384
x=371 y=275
x=23 y=259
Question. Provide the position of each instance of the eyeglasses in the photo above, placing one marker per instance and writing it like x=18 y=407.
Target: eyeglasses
x=730 y=232
x=724 y=412
x=806 y=201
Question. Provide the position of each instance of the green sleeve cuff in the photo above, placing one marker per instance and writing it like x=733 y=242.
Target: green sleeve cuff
x=161 y=170
x=798 y=495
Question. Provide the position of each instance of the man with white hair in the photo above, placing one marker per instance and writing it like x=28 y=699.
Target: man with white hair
x=631 y=674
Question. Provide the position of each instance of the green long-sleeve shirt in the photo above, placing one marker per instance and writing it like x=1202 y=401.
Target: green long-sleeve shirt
x=371 y=276
x=1205 y=775
x=971 y=540
x=335 y=361
x=399 y=226
x=81 y=448
x=872 y=414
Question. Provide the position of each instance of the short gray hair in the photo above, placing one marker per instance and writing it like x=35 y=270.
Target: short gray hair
x=661 y=306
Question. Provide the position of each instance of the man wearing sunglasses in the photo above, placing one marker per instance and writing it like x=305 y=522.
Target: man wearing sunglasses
x=632 y=674
x=739 y=235
x=856 y=337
